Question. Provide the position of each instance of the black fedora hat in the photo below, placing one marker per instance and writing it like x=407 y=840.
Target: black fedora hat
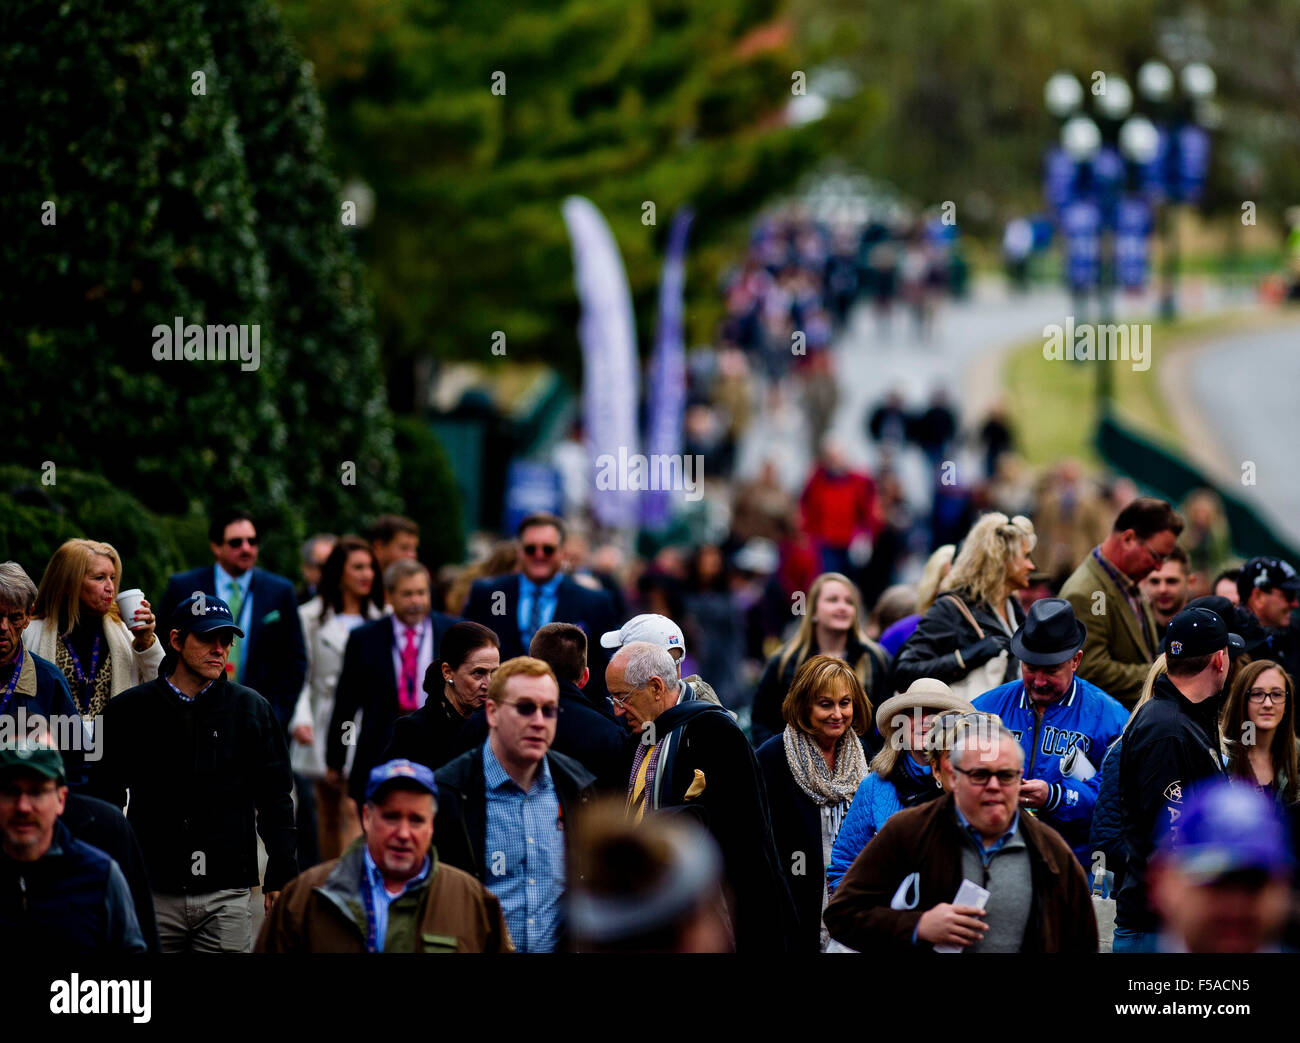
x=1049 y=635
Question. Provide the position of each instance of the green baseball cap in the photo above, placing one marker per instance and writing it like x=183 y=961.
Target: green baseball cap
x=25 y=756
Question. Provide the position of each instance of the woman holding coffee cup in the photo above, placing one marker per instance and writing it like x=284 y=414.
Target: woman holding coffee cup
x=78 y=625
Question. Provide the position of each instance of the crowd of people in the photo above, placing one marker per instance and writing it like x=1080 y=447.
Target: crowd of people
x=537 y=752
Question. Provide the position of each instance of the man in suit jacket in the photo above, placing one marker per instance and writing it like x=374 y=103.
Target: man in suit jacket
x=1104 y=593
x=517 y=605
x=383 y=671
x=272 y=659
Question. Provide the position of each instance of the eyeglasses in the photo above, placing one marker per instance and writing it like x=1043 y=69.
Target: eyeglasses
x=544 y=549
x=622 y=704
x=1258 y=695
x=526 y=708
x=1159 y=559
x=981 y=776
x=239 y=541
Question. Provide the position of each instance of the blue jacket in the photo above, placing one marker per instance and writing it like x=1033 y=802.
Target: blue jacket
x=1086 y=717
x=876 y=800
x=42 y=691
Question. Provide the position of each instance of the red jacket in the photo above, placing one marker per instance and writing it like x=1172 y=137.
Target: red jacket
x=837 y=508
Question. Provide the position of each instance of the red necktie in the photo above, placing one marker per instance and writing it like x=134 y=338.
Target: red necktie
x=410 y=654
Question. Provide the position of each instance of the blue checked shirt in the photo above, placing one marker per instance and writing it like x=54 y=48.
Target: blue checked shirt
x=380 y=898
x=987 y=853
x=525 y=840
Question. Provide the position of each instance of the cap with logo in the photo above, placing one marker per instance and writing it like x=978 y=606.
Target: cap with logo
x=34 y=757
x=1197 y=632
x=202 y=614
x=400 y=770
x=1239 y=621
x=1227 y=827
x=657 y=629
x=1266 y=574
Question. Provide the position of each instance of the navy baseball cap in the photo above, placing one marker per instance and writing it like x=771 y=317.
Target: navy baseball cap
x=1197 y=632
x=1266 y=574
x=400 y=770
x=203 y=613
x=1227 y=827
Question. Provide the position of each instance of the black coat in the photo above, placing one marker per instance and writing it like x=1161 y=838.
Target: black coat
x=582 y=732
x=797 y=829
x=460 y=826
x=734 y=808
x=775 y=683
x=274 y=653
x=97 y=823
x=591 y=610
x=368 y=682
x=433 y=735
x=203 y=797
x=942 y=632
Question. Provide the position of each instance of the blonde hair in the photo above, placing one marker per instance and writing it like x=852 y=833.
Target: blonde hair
x=520 y=666
x=989 y=548
x=801 y=644
x=819 y=675
x=936 y=568
x=58 y=598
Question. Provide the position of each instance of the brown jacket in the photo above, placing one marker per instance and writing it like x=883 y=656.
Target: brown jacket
x=321 y=910
x=927 y=840
x=1116 y=655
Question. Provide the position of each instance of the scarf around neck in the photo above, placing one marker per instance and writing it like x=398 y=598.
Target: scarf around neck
x=808 y=766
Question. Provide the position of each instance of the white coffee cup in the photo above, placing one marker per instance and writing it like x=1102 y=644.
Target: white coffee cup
x=127 y=602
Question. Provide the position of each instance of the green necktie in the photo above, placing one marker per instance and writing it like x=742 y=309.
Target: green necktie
x=236 y=602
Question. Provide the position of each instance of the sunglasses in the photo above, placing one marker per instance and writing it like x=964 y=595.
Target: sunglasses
x=239 y=541
x=526 y=708
x=544 y=549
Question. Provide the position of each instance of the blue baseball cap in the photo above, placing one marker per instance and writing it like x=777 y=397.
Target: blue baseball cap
x=400 y=770
x=1227 y=827
x=203 y=613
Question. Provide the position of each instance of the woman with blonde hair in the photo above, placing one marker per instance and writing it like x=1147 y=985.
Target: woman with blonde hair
x=927 y=589
x=832 y=624
x=77 y=626
x=1259 y=730
x=811 y=771
x=964 y=639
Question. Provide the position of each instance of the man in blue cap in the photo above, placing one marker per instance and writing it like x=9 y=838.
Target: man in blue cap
x=1221 y=878
x=1063 y=722
x=388 y=892
x=207 y=767
x=1171 y=744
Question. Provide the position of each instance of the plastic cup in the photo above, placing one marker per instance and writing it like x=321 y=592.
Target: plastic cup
x=127 y=602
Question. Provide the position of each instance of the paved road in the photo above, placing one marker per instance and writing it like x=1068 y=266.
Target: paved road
x=1246 y=387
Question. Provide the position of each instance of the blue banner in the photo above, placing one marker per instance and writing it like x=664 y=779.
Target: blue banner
x=531 y=488
x=1133 y=227
x=1058 y=178
x=1081 y=227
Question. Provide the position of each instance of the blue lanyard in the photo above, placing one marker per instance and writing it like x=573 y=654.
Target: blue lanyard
x=87 y=684
x=372 y=926
x=13 y=681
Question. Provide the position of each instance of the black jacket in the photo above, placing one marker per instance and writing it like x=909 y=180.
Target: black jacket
x=591 y=610
x=797 y=830
x=202 y=778
x=368 y=682
x=1171 y=744
x=1106 y=833
x=775 y=683
x=943 y=631
x=97 y=823
x=274 y=652
x=581 y=732
x=699 y=736
x=433 y=735
x=460 y=826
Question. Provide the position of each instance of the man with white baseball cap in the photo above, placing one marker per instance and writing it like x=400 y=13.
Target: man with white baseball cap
x=662 y=631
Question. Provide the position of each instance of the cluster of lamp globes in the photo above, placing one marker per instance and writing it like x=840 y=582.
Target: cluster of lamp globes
x=1138 y=137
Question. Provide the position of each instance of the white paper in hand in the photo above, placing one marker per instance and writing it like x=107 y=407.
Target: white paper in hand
x=968 y=894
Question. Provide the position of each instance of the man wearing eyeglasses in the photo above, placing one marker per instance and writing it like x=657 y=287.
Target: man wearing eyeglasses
x=900 y=893
x=516 y=606
x=1105 y=593
x=272 y=658
x=1171 y=743
x=505 y=804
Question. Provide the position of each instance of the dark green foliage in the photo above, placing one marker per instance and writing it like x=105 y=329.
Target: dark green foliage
x=429 y=491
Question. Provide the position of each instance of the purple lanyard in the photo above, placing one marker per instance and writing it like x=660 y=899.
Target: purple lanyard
x=87 y=683
x=368 y=896
x=13 y=681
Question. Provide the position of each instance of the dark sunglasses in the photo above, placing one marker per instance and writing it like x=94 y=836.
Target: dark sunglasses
x=526 y=708
x=239 y=541
x=545 y=549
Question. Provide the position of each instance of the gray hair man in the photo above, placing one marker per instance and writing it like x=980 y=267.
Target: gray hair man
x=967 y=871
